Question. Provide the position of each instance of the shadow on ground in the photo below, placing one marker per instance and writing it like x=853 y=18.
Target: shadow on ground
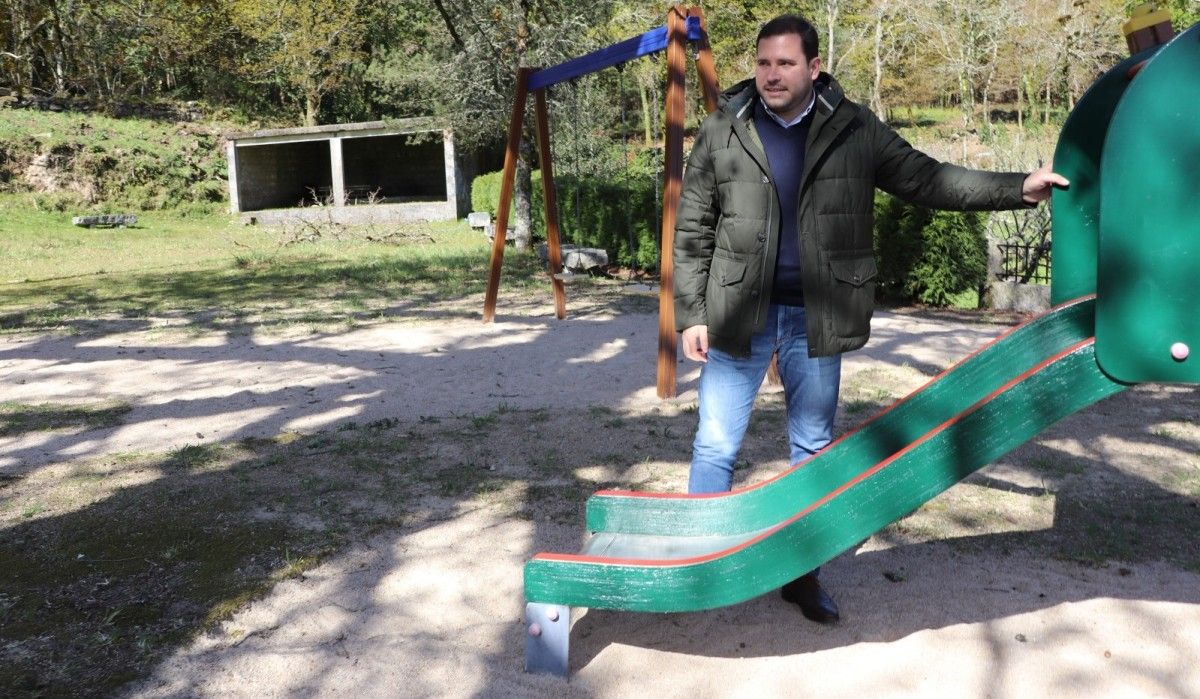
x=148 y=550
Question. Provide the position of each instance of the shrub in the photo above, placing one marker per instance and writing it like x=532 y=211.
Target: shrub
x=618 y=214
x=485 y=192
x=927 y=256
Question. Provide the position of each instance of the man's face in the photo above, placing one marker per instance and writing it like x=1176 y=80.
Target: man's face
x=784 y=75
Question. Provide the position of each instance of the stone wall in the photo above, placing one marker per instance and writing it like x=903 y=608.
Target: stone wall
x=354 y=215
x=1025 y=298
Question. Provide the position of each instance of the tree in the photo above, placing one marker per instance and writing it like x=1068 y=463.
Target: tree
x=403 y=75
x=117 y=50
x=846 y=23
x=1089 y=40
x=307 y=46
x=892 y=38
x=20 y=25
x=966 y=37
x=484 y=43
x=631 y=19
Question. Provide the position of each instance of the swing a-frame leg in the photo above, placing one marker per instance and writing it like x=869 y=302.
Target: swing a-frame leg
x=684 y=25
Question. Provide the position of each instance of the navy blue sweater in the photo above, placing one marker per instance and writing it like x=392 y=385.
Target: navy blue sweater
x=785 y=155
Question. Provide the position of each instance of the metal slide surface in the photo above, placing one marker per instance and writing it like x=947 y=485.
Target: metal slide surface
x=667 y=553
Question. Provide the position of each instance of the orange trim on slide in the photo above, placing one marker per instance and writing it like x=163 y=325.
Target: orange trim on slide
x=662 y=563
x=876 y=416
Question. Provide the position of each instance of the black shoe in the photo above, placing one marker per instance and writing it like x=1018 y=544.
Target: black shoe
x=814 y=602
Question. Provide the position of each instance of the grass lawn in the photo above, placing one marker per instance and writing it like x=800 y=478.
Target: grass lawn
x=58 y=275
x=40 y=246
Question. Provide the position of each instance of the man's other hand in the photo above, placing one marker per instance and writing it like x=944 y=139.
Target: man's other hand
x=1039 y=183
x=695 y=343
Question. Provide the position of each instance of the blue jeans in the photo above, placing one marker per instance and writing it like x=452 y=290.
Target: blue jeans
x=728 y=386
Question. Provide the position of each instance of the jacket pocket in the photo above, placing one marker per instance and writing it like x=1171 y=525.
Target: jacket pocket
x=729 y=284
x=726 y=271
x=853 y=292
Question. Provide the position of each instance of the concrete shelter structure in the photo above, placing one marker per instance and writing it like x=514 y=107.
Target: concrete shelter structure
x=400 y=170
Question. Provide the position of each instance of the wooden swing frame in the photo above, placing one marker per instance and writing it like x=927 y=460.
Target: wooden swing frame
x=684 y=25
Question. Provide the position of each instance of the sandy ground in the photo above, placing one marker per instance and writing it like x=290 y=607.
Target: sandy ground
x=436 y=610
x=198 y=389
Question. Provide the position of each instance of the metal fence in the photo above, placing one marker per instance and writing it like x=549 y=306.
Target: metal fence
x=1025 y=263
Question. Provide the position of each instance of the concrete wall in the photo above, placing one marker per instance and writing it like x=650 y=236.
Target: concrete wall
x=354 y=215
x=400 y=169
x=347 y=166
x=282 y=175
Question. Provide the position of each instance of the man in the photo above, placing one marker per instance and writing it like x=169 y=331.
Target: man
x=774 y=251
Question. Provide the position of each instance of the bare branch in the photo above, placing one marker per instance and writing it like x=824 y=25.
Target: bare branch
x=449 y=23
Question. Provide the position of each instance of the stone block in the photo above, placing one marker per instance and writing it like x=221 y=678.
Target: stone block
x=575 y=257
x=105 y=221
x=1024 y=298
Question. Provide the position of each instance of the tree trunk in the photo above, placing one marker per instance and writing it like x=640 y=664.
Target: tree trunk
x=967 y=102
x=1026 y=90
x=987 y=109
x=523 y=233
x=60 y=54
x=655 y=113
x=987 y=86
x=831 y=13
x=523 y=228
x=1020 y=108
x=312 y=103
x=877 y=76
x=1046 y=105
x=647 y=119
x=13 y=51
x=24 y=70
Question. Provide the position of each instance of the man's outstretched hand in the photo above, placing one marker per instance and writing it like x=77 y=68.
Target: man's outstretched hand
x=1039 y=183
x=695 y=343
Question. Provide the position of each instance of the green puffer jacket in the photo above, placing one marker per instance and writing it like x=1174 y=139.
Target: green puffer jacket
x=728 y=224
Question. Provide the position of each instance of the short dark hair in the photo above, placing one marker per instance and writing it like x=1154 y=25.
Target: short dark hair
x=792 y=24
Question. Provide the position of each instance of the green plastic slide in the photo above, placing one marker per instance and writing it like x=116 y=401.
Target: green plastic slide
x=670 y=553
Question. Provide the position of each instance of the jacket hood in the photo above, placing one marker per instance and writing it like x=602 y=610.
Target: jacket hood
x=737 y=98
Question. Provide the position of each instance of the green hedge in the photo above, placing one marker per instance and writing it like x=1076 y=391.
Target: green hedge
x=593 y=212
x=485 y=193
x=925 y=255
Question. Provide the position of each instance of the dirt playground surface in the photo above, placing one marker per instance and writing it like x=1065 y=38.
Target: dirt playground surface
x=1069 y=568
